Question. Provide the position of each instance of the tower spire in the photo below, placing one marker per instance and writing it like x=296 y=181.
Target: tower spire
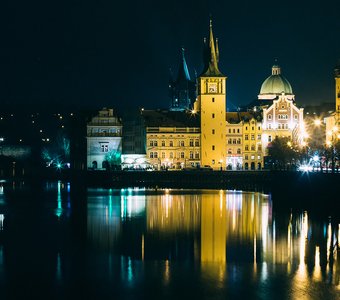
x=212 y=55
x=183 y=71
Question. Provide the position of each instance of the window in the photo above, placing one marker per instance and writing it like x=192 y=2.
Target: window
x=182 y=143
x=213 y=99
x=246 y=137
x=259 y=157
x=191 y=155
x=259 y=147
x=246 y=157
x=252 y=128
x=213 y=131
x=163 y=154
x=238 y=130
x=269 y=138
x=163 y=143
x=171 y=143
x=171 y=155
x=233 y=130
x=269 y=126
x=259 y=136
x=246 y=148
x=229 y=130
x=234 y=141
x=246 y=127
x=238 y=150
x=259 y=128
x=197 y=155
x=252 y=157
x=153 y=154
x=238 y=141
x=213 y=116
x=253 y=136
x=230 y=151
x=295 y=117
x=182 y=154
x=191 y=143
x=213 y=147
x=269 y=117
x=197 y=143
x=252 y=147
x=229 y=141
x=104 y=147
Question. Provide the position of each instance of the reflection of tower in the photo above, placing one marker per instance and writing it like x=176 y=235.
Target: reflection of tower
x=213 y=228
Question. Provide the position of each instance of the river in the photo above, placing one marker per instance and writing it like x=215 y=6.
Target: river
x=59 y=241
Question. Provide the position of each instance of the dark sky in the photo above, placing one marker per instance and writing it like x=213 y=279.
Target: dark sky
x=109 y=53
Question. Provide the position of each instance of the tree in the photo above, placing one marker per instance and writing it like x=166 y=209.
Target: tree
x=282 y=153
x=113 y=159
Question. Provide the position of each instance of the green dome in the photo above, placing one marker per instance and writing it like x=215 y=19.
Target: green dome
x=276 y=83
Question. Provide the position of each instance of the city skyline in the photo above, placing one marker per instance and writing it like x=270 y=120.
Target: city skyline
x=84 y=56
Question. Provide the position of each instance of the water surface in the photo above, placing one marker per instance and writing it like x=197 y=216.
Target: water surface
x=58 y=241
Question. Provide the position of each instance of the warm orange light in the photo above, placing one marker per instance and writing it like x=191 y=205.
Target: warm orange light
x=317 y=122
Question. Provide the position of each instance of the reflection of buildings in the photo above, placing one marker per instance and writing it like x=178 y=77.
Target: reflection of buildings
x=214 y=228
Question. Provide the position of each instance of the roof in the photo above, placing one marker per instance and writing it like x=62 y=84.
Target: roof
x=237 y=117
x=167 y=118
x=276 y=83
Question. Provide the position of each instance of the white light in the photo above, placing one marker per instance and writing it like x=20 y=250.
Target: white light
x=315 y=158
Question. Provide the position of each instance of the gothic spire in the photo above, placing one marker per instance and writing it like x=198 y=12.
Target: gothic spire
x=183 y=72
x=211 y=57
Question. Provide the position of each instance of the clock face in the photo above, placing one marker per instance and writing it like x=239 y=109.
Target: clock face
x=212 y=88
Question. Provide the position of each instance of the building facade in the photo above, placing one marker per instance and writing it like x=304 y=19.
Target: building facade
x=104 y=140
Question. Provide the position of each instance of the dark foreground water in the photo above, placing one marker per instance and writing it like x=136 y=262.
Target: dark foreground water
x=59 y=241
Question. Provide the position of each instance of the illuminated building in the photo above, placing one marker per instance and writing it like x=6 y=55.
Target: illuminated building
x=281 y=116
x=252 y=144
x=182 y=90
x=104 y=140
x=234 y=126
x=333 y=121
x=211 y=103
x=172 y=139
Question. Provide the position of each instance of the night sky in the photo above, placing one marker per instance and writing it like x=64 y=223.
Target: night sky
x=90 y=54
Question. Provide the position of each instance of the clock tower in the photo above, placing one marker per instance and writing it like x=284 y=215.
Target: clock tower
x=211 y=102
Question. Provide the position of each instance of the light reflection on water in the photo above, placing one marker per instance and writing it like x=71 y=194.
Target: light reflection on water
x=218 y=243
x=215 y=229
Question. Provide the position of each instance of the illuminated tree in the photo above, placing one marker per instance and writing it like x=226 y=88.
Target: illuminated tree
x=113 y=159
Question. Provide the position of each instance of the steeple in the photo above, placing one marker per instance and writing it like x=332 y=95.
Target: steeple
x=211 y=55
x=183 y=72
x=182 y=91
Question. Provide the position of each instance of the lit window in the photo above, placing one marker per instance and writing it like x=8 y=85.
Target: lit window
x=104 y=147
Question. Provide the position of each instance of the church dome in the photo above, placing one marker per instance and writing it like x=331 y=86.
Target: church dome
x=276 y=83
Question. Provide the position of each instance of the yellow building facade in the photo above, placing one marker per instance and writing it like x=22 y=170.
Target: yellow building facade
x=252 y=145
